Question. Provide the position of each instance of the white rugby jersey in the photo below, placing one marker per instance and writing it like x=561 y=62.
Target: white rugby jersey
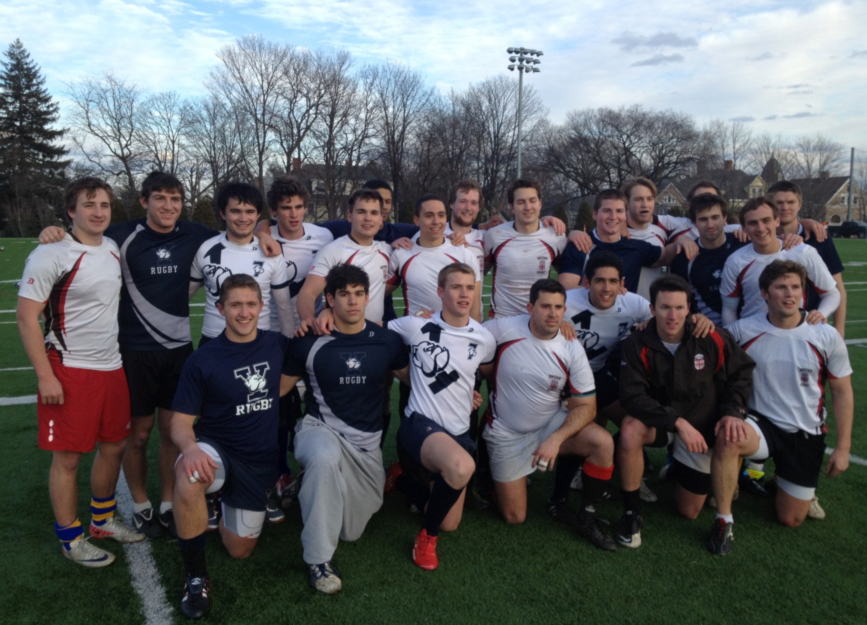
x=475 y=240
x=417 y=270
x=659 y=232
x=791 y=369
x=740 y=279
x=298 y=255
x=531 y=375
x=218 y=258
x=519 y=260
x=601 y=330
x=373 y=259
x=80 y=285
x=443 y=364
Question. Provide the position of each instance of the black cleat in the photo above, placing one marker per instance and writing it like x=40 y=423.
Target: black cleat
x=562 y=513
x=147 y=523
x=167 y=520
x=590 y=528
x=195 y=603
x=722 y=535
x=753 y=486
x=629 y=530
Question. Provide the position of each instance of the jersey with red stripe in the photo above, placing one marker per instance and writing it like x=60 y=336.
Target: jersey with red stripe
x=740 y=280
x=532 y=375
x=372 y=258
x=443 y=364
x=791 y=369
x=417 y=270
x=475 y=239
x=80 y=285
x=519 y=260
x=659 y=232
x=599 y=330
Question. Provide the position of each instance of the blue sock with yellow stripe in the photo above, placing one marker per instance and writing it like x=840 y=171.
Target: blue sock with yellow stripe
x=101 y=510
x=69 y=534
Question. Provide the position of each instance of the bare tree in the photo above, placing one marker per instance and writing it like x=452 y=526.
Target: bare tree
x=104 y=117
x=251 y=78
x=813 y=156
x=163 y=119
x=727 y=141
x=767 y=146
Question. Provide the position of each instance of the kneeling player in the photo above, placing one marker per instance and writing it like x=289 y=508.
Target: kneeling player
x=676 y=387
x=337 y=443
x=528 y=428
x=787 y=410
x=232 y=385
x=446 y=351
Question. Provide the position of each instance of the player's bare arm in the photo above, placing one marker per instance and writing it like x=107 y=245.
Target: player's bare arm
x=691 y=437
x=840 y=313
x=313 y=287
x=194 y=462
x=402 y=375
x=287 y=383
x=844 y=411
x=27 y=316
x=51 y=234
x=581 y=240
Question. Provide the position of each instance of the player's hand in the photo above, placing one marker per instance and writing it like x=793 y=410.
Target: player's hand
x=268 y=244
x=477 y=400
x=51 y=234
x=837 y=463
x=703 y=325
x=814 y=229
x=195 y=462
x=791 y=240
x=495 y=220
x=623 y=289
x=688 y=247
x=306 y=325
x=458 y=239
x=581 y=240
x=735 y=429
x=741 y=235
x=568 y=330
x=546 y=454
x=403 y=243
x=324 y=322
x=691 y=437
x=638 y=327
x=424 y=313
x=51 y=391
x=814 y=317
x=555 y=222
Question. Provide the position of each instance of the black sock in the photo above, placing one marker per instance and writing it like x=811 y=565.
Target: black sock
x=386 y=421
x=593 y=489
x=564 y=471
x=193 y=554
x=283 y=441
x=442 y=499
x=417 y=493
x=631 y=501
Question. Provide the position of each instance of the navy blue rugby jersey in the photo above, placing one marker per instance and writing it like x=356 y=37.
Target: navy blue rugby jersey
x=828 y=252
x=154 y=301
x=234 y=388
x=346 y=376
x=704 y=273
x=635 y=254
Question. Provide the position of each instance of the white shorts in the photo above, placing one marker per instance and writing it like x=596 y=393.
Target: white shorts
x=512 y=453
x=696 y=462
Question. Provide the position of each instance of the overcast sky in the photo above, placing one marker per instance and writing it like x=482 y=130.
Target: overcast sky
x=784 y=67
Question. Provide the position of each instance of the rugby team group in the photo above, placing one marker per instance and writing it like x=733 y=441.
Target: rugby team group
x=723 y=358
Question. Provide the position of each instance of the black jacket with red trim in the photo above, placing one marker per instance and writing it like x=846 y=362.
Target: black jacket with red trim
x=706 y=379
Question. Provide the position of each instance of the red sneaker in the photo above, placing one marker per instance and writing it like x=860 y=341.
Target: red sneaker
x=424 y=552
x=394 y=471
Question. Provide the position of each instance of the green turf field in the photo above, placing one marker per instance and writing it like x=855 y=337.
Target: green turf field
x=489 y=572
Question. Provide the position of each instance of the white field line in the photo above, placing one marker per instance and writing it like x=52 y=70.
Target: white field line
x=16 y=369
x=142 y=567
x=17 y=401
x=855 y=341
x=854 y=283
x=855 y=290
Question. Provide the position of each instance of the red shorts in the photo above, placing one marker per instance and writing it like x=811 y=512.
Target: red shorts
x=95 y=409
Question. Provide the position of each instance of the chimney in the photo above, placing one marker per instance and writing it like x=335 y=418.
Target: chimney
x=296 y=164
x=824 y=175
x=729 y=165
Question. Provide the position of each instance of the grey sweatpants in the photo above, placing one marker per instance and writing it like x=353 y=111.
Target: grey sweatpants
x=341 y=489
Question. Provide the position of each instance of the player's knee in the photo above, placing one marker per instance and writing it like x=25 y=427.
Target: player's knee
x=689 y=510
x=603 y=446
x=459 y=471
x=790 y=520
x=449 y=525
x=325 y=459
x=514 y=516
x=632 y=433
x=240 y=552
x=138 y=438
x=723 y=447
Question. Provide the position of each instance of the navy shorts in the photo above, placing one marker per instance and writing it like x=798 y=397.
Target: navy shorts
x=607 y=388
x=412 y=434
x=246 y=482
x=152 y=377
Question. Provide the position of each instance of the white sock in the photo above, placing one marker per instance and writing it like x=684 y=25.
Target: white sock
x=726 y=517
x=141 y=507
x=755 y=466
x=165 y=506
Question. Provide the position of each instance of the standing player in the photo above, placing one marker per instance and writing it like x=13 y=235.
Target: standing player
x=83 y=396
x=787 y=410
x=740 y=282
x=359 y=248
x=520 y=251
x=787 y=197
x=225 y=424
x=236 y=252
x=675 y=387
x=337 y=443
x=446 y=351
x=529 y=429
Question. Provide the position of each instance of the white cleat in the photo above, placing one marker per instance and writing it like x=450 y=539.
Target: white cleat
x=84 y=553
x=646 y=494
x=117 y=530
x=816 y=511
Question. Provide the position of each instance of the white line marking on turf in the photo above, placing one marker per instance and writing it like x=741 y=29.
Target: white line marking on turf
x=852 y=459
x=142 y=567
x=9 y=281
x=17 y=401
x=853 y=283
x=31 y=368
x=855 y=341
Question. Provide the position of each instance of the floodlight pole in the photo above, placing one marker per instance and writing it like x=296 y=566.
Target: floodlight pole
x=520 y=116
x=525 y=63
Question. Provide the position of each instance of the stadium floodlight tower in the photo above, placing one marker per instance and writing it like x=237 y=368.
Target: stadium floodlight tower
x=525 y=61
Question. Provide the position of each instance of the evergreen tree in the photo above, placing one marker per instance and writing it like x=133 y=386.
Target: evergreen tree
x=32 y=162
